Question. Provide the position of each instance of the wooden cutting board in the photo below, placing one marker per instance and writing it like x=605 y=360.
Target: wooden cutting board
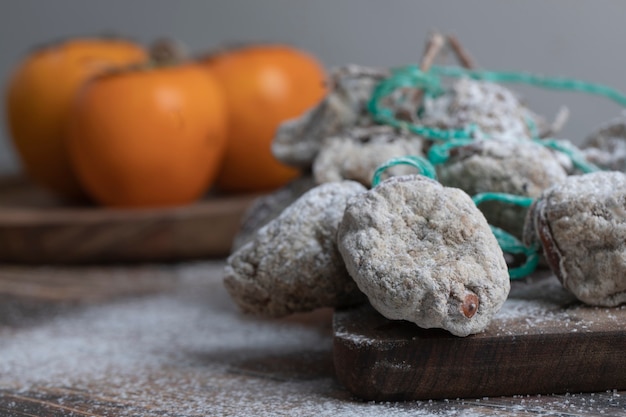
x=543 y=341
x=36 y=228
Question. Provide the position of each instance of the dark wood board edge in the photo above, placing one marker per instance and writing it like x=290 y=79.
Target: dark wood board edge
x=87 y=235
x=440 y=367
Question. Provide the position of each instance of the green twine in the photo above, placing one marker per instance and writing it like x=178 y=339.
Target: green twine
x=509 y=243
x=532 y=127
x=440 y=152
x=430 y=83
x=517 y=200
x=423 y=166
x=552 y=83
x=413 y=77
x=574 y=154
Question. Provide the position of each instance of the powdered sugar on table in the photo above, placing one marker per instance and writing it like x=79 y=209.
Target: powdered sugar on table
x=191 y=353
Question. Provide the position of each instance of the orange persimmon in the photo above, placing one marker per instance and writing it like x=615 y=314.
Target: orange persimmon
x=148 y=137
x=264 y=85
x=38 y=97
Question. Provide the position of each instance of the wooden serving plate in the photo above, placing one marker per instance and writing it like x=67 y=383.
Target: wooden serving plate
x=35 y=228
x=542 y=342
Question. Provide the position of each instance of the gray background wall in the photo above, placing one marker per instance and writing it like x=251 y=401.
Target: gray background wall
x=576 y=38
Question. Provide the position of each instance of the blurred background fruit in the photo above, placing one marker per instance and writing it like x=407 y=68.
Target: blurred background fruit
x=366 y=32
x=264 y=85
x=38 y=98
x=150 y=136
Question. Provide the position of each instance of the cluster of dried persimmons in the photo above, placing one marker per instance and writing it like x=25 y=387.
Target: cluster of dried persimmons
x=495 y=196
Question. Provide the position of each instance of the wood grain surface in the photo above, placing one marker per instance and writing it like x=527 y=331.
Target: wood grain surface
x=543 y=341
x=166 y=340
x=35 y=228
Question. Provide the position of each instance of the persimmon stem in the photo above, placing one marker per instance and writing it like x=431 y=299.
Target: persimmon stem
x=167 y=51
x=434 y=45
x=461 y=53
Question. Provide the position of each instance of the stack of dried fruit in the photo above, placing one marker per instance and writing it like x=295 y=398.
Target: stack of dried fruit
x=420 y=250
x=103 y=119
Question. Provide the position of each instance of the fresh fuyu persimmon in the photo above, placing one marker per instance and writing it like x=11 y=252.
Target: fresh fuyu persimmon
x=264 y=85
x=38 y=97
x=148 y=137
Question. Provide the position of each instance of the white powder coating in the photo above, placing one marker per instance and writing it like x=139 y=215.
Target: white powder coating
x=267 y=207
x=185 y=353
x=292 y=264
x=581 y=224
x=419 y=251
x=189 y=352
x=521 y=168
x=606 y=147
x=494 y=109
x=357 y=153
x=298 y=141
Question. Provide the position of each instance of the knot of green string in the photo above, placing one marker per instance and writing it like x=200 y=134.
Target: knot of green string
x=430 y=84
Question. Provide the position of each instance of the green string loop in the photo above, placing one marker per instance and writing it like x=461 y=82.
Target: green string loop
x=411 y=77
x=423 y=166
x=509 y=243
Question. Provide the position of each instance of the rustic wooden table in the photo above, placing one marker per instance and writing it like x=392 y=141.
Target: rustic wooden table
x=165 y=340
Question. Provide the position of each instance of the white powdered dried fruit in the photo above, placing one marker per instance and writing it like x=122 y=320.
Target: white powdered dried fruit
x=292 y=264
x=424 y=253
x=581 y=225
x=494 y=109
x=357 y=153
x=521 y=168
x=606 y=147
x=298 y=141
x=267 y=207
